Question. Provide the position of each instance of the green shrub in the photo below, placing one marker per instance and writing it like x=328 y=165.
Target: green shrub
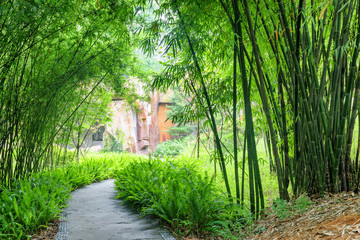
x=172 y=147
x=175 y=193
x=281 y=208
x=33 y=202
x=284 y=209
x=302 y=204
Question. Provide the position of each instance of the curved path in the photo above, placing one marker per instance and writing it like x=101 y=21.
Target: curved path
x=95 y=214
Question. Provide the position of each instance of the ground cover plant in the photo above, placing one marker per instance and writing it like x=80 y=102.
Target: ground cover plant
x=35 y=201
x=285 y=209
x=185 y=199
x=172 y=147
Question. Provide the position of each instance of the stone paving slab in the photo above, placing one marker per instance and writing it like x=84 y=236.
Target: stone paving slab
x=95 y=214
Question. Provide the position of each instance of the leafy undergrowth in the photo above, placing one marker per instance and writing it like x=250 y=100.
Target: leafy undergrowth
x=332 y=217
x=34 y=202
x=188 y=202
x=192 y=207
x=172 y=147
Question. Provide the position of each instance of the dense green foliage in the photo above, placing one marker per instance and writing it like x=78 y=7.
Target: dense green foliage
x=178 y=191
x=92 y=115
x=34 y=201
x=295 y=63
x=56 y=57
x=284 y=71
x=178 y=194
x=172 y=147
x=178 y=105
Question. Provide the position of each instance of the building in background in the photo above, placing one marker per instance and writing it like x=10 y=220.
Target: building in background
x=164 y=125
x=137 y=130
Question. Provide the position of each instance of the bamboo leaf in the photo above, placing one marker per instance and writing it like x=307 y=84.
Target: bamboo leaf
x=323 y=10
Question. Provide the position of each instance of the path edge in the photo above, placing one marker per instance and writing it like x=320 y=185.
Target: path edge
x=63 y=228
x=166 y=235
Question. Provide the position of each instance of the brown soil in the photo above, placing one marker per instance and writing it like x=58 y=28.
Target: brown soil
x=332 y=217
x=47 y=233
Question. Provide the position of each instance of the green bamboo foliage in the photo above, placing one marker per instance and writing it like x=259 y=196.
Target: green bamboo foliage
x=190 y=71
x=210 y=113
x=50 y=55
x=315 y=52
x=320 y=64
x=256 y=195
x=303 y=59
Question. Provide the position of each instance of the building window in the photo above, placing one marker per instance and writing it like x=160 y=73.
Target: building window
x=99 y=135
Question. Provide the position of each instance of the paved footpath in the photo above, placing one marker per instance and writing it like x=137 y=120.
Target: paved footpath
x=95 y=214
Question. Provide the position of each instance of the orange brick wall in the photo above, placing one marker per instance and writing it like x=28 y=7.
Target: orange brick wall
x=163 y=124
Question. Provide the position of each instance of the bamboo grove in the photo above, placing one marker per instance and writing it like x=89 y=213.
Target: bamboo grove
x=297 y=59
x=54 y=56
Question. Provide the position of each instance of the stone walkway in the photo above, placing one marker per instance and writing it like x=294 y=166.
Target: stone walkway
x=95 y=214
